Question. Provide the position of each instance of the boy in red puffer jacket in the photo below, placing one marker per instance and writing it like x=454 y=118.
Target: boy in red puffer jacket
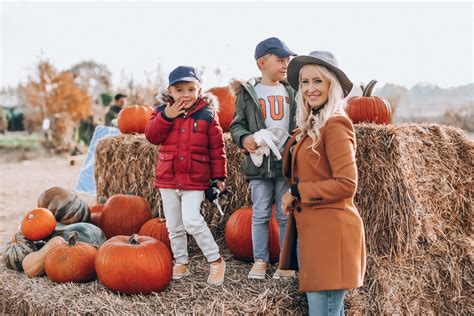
x=191 y=155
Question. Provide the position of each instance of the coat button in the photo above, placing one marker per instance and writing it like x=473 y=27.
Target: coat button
x=183 y=130
x=298 y=209
x=181 y=158
x=203 y=159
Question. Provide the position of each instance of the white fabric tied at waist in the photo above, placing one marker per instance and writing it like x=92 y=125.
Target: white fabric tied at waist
x=265 y=141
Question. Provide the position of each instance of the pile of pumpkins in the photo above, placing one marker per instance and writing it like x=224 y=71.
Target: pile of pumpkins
x=127 y=250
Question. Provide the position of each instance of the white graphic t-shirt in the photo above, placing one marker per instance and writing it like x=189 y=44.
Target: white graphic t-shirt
x=275 y=105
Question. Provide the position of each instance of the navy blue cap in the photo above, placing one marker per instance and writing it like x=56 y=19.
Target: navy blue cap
x=183 y=73
x=273 y=45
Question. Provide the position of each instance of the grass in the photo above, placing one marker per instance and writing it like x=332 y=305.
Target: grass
x=20 y=140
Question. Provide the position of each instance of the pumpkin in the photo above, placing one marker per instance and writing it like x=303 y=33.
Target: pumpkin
x=66 y=206
x=33 y=264
x=156 y=228
x=134 y=118
x=16 y=250
x=124 y=215
x=87 y=233
x=135 y=264
x=238 y=235
x=226 y=106
x=367 y=108
x=71 y=261
x=38 y=224
x=96 y=212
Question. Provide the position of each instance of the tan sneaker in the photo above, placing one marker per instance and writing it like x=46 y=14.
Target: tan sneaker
x=216 y=273
x=258 y=270
x=283 y=274
x=180 y=271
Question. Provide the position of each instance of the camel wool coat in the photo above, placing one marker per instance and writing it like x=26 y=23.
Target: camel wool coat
x=332 y=252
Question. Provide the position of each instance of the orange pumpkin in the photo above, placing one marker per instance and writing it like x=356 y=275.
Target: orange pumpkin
x=96 y=213
x=367 y=108
x=156 y=228
x=38 y=224
x=71 y=261
x=124 y=215
x=226 y=106
x=238 y=235
x=134 y=118
x=135 y=264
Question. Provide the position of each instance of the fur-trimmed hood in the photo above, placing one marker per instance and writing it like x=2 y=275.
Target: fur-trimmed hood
x=211 y=100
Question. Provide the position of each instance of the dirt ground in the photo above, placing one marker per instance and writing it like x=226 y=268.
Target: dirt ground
x=21 y=183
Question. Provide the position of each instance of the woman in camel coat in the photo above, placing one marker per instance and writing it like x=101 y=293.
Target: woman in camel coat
x=319 y=164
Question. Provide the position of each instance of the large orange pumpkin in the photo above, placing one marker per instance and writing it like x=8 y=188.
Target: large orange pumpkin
x=156 y=228
x=124 y=215
x=226 y=106
x=133 y=118
x=135 y=264
x=367 y=108
x=71 y=261
x=38 y=224
x=238 y=235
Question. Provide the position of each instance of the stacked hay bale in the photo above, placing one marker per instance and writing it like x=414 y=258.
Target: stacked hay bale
x=415 y=198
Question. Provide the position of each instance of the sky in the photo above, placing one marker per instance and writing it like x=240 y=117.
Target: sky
x=393 y=42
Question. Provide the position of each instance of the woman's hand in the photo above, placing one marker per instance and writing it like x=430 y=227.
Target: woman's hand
x=286 y=203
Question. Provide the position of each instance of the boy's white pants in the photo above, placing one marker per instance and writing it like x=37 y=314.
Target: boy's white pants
x=182 y=213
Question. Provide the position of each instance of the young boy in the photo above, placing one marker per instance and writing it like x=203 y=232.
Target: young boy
x=191 y=154
x=261 y=103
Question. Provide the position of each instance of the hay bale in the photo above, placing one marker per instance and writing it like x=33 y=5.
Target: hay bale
x=415 y=198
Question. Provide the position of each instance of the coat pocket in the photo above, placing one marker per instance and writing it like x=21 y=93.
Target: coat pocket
x=164 y=166
x=200 y=168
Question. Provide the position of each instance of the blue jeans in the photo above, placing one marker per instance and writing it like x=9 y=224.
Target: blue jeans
x=324 y=303
x=264 y=192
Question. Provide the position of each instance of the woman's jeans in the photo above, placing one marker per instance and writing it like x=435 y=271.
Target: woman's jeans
x=324 y=303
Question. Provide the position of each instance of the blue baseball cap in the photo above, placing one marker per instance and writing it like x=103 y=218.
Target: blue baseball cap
x=273 y=45
x=183 y=73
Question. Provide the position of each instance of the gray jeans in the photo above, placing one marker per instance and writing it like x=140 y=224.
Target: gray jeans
x=264 y=194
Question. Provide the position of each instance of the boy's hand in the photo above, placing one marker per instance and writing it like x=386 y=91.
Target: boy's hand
x=174 y=110
x=221 y=185
x=250 y=144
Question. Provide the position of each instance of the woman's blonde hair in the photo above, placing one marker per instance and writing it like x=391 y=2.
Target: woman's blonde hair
x=310 y=124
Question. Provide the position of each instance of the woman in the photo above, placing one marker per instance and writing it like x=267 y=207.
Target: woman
x=319 y=163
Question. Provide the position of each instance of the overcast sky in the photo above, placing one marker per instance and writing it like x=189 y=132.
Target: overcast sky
x=403 y=43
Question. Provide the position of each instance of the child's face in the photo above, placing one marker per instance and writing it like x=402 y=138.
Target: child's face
x=186 y=91
x=274 y=67
x=314 y=86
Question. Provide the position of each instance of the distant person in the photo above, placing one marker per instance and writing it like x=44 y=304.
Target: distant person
x=112 y=113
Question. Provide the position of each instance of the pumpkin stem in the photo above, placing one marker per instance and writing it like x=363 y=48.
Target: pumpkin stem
x=72 y=238
x=101 y=199
x=133 y=239
x=368 y=89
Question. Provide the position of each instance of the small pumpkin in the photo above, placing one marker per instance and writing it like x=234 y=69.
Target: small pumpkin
x=38 y=224
x=226 y=106
x=156 y=228
x=16 y=250
x=368 y=108
x=87 y=233
x=135 y=264
x=71 y=261
x=33 y=264
x=238 y=235
x=134 y=118
x=124 y=215
x=66 y=206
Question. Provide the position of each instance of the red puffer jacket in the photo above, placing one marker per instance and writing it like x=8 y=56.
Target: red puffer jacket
x=192 y=147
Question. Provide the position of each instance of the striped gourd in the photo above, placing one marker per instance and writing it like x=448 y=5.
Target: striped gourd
x=16 y=250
